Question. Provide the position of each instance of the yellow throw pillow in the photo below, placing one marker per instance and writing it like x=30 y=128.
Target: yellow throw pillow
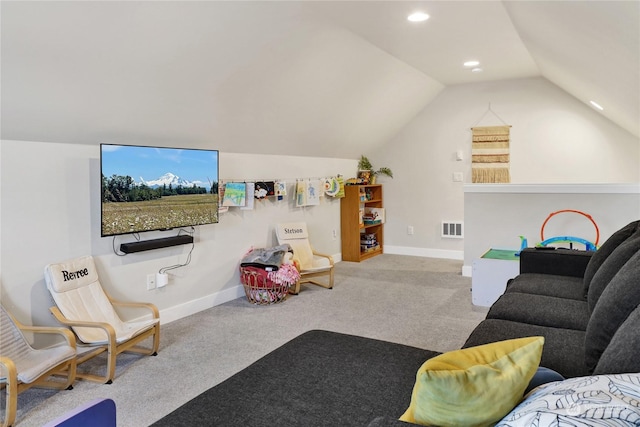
x=475 y=386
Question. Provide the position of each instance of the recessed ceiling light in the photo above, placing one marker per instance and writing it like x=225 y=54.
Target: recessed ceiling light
x=476 y=70
x=596 y=105
x=471 y=63
x=418 y=17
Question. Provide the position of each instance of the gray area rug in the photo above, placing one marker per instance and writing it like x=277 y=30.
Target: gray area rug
x=419 y=302
x=319 y=378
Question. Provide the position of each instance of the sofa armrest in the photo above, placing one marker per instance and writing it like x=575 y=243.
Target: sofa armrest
x=561 y=262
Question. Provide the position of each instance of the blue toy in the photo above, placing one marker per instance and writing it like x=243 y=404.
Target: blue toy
x=563 y=239
x=589 y=246
x=523 y=245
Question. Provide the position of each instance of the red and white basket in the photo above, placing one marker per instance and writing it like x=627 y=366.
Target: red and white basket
x=260 y=289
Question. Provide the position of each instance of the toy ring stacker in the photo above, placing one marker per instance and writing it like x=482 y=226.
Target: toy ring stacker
x=588 y=245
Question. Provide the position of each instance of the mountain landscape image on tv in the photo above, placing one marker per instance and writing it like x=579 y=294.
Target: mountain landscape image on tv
x=156 y=188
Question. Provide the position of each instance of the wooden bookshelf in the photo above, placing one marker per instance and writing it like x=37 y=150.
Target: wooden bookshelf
x=357 y=234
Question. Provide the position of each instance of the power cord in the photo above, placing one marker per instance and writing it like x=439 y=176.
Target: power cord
x=193 y=245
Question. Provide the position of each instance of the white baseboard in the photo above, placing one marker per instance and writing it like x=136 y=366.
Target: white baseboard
x=170 y=314
x=424 y=252
x=188 y=308
x=466 y=270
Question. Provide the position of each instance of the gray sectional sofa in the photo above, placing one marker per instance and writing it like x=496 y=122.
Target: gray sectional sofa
x=585 y=304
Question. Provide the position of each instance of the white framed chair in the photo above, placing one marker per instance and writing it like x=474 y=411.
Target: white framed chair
x=83 y=305
x=23 y=367
x=312 y=264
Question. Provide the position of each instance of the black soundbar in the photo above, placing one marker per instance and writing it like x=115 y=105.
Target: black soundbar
x=147 y=245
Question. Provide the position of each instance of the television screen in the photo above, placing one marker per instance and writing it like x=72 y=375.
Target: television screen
x=156 y=188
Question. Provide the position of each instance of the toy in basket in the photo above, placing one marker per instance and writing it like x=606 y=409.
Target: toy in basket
x=267 y=274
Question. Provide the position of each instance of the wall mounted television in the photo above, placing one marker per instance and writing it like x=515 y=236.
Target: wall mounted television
x=156 y=188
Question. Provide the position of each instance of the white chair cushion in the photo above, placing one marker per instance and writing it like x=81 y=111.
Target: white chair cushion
x=302 y=253
x=72 y=274
x=297 y=236
x=130 y=329
x=37 y=362
x=319 y=264
x=30 y=363
x=88 y=304
x=292 y=230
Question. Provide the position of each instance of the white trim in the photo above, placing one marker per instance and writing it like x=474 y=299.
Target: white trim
x=424 y=252
x=630 y=188
x=188 y=308
x=467 y=270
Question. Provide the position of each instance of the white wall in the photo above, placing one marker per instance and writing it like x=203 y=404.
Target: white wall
x=495 y=215
x=0 y=223
x=51 y=212
x=554 y=139
x=50 y=204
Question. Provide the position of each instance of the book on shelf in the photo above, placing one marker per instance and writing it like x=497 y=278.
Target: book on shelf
x=374 y=216
x=369 y=248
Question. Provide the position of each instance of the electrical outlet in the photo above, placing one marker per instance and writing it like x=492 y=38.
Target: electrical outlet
x=457 y=177
x=335 y=234
x=151 y=281
x=410 y=229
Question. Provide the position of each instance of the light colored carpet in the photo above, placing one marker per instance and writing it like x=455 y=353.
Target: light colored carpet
x=416 y=301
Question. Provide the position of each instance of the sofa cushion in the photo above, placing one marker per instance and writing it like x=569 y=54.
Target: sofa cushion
x=610 y=268
x=548 y=284
x=586 y=401
x=563 y=348
x=541 y=310
x=621 y=355
x=618 y=300
x=605 y=250
x=559 y=261
x=474 y=386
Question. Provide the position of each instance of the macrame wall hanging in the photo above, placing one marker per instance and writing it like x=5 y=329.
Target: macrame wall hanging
x=490 y=153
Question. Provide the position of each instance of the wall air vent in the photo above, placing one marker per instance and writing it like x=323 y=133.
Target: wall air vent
x=452 y=230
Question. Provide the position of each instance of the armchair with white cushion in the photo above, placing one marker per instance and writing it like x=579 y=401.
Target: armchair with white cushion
x=83 y=304
x=22 y=366
x=312 y=264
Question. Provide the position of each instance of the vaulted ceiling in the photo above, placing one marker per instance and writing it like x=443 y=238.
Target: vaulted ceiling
x=312 y=78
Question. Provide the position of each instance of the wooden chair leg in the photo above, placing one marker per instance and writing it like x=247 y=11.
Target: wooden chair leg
x=156 y=339
x=111 y=365
x=114 y=350
x=111 y=369
x=11 y=396
x=11 y=391
x=296 y=288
